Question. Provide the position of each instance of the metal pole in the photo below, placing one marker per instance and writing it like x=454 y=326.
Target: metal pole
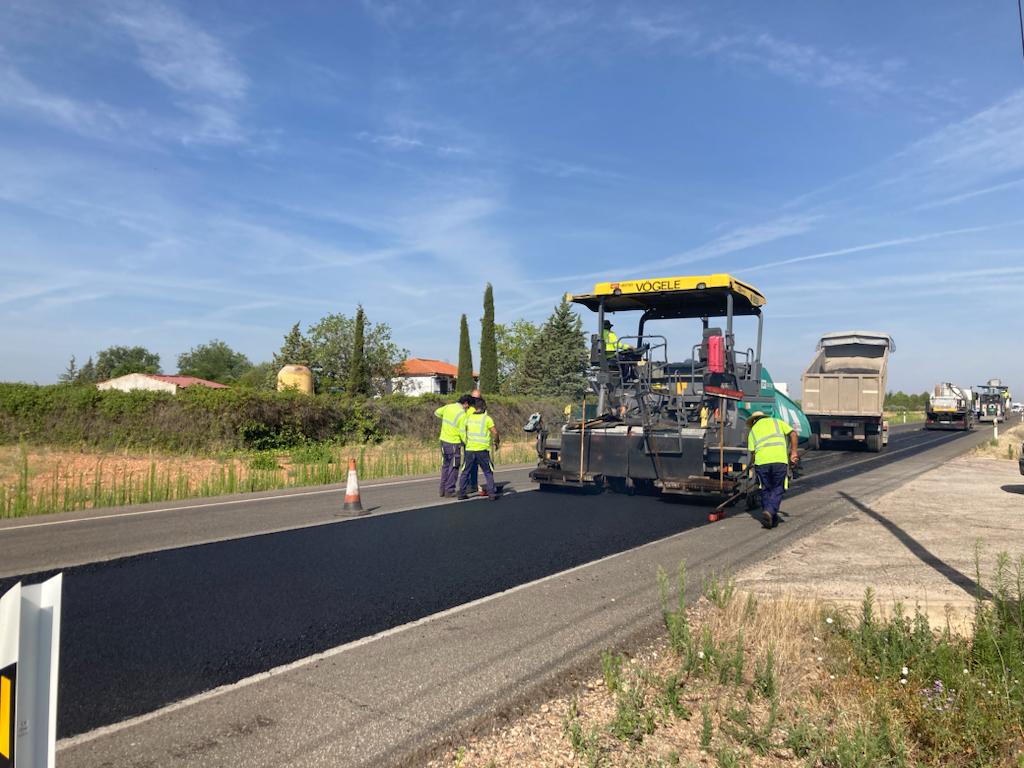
x=602 y=392
x=583 y=430
x=721 y=443
x=760 y=329
x=728 y=318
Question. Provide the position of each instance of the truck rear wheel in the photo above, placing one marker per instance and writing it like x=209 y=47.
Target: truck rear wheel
x=873 y=443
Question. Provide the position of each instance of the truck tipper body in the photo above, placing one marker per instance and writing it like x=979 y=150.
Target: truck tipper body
x=950 y=407
x=844 y=390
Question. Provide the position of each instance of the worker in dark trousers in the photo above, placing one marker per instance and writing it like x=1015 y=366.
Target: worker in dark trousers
x=474 y=477
x=767 y=442
x=451 y=417
x=478 y=435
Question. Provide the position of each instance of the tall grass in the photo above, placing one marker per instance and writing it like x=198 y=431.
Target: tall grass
x=316 y=464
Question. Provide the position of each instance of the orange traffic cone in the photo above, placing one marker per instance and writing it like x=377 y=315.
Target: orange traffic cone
x=352 y=502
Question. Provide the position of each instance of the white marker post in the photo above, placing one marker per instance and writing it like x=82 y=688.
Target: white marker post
x=29 y=655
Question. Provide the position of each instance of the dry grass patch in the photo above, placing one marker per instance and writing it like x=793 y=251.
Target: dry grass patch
x=43 y=480
x=1006 y=447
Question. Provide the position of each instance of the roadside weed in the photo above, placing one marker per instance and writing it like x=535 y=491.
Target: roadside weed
x=676 y=619
x=707 y=727
x=611 y=669
x=718 y=590
x=632 y=719
x=584 y=742
x=764 y=676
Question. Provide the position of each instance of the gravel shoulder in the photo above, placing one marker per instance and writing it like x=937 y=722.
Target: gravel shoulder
x=916 y=545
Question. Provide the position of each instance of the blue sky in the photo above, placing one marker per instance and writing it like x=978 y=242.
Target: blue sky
x=172 y=172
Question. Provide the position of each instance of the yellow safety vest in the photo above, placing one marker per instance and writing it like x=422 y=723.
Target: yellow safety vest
x=767 y=439
x=451 y=417
x=611 y=342
x=476 y=431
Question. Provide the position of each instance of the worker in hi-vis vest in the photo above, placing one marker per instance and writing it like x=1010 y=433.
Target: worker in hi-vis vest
x=451 y=417
x=772 y=444
x=478 y=435
x=611 y=341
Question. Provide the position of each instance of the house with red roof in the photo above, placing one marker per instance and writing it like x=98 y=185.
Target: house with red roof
x=156 y=382
x=421 y=376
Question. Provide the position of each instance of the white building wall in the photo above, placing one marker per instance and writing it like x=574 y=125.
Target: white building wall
x=416 y=385
x=133 y=381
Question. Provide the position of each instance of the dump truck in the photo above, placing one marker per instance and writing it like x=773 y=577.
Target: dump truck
x=844 y=390
x=991 y=401
x=950 y=407
x=661 y=424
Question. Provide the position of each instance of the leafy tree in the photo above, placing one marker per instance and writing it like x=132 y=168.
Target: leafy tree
x=555 y=363
x=87 y=373
x=215 y=361
x=901 y=400
x=118 y=361
x=488 y=346
x=332 y=342
x=464 y=382
x=71 y=373
x=512 y=341
x=295 y=350
x=259 y=376
x=358 y=373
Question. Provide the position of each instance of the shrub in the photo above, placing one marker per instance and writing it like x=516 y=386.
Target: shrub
x=202 y=420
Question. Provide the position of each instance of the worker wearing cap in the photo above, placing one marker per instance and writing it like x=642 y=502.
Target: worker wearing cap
x=478 y=435
x=451 y=417
x=611 y=341
x=767 y=442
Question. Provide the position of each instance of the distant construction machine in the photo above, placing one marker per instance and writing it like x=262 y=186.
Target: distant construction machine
x=950 y=407
x=992 y=401
x=844 y=390
x=668 y=427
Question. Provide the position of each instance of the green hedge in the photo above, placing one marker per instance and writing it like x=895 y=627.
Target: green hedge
x=413 y=417
x=202 y=420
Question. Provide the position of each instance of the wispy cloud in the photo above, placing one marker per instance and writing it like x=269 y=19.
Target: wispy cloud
x=952 y=200
x=875 y=246
x=765 y=51
x=399 y=142
x=734 y=241
x=191 y=62
x=21 y=96
x=805 y=63
x=986 y=146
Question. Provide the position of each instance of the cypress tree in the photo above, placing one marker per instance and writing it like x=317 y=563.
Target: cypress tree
x=358 y=372
x=488 y=346
x=464 y=382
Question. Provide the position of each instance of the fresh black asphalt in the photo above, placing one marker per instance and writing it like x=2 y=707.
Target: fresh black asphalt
x=143 y=631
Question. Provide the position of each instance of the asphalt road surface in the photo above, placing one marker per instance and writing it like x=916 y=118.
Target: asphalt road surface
x=142 y=631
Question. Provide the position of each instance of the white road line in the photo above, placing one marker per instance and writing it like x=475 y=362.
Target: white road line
x=249 y=500
x=107 y=730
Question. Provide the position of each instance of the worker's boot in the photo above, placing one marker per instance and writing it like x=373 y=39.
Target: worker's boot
x=766 y=520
